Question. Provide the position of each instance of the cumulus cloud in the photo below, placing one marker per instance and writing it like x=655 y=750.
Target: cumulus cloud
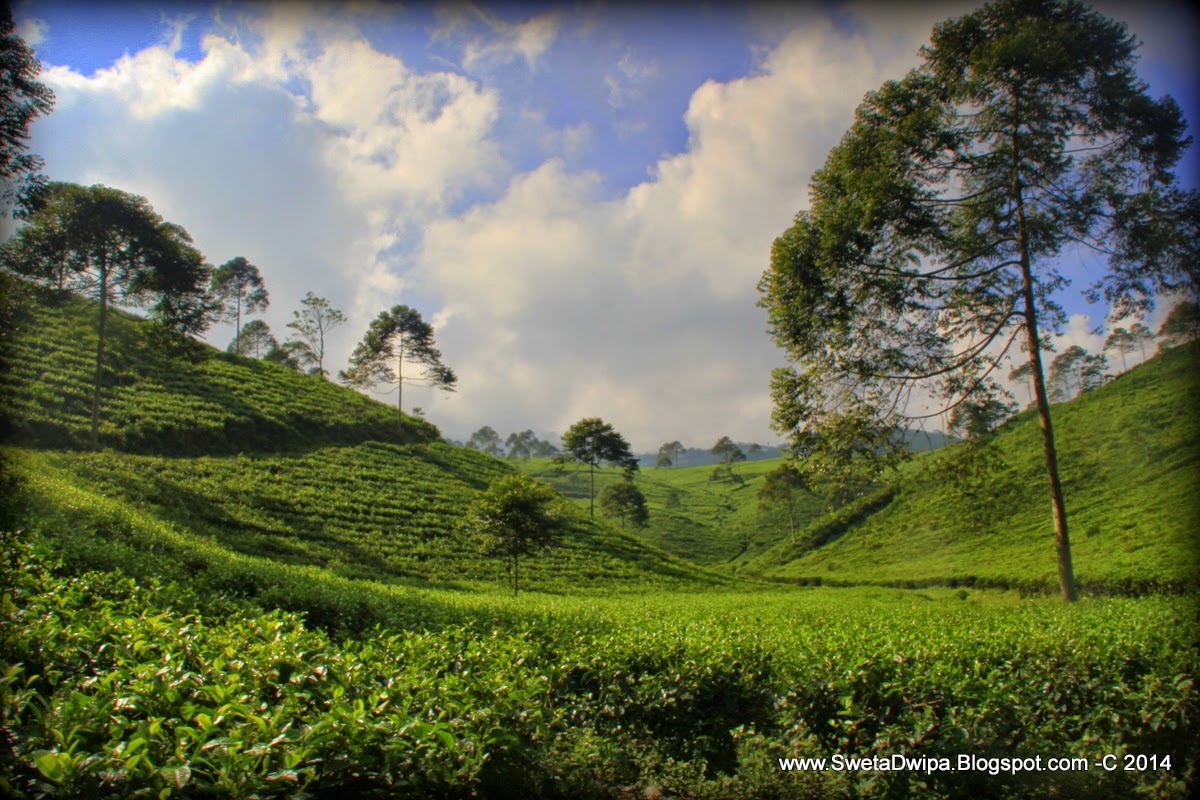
x=342 y=169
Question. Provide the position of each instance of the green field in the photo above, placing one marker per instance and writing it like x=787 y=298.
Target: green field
x=273 y=598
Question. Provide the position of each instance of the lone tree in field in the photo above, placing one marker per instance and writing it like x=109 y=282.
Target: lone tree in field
x=312 y=323
x=668 y=453
x=238 y=286
x=593 y=441
x=780 y=487
x=516 y=516
x=934 y=229
x=624 y=500
x=22 y=98
x=396 y=338
x=111 y=246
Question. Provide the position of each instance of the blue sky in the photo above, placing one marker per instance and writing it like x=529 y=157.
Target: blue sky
x=581 y=198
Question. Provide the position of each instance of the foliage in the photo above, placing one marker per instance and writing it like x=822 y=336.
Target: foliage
x=593 y=441
x=111 y=688
x=160 y=403
x=516 y=516
x=625 y=501
x=111 y=246
x=1075 y=371
x=312 y=324
x=668 y=453
x=779 y=488
x=1142 y=336
x=238 y=287
x=973 y=419
x=1130 y=453
x=398 y=336
x=727 y=451
x=1182 y=324
x=1121 y=341
x=255 y=340
x=935 y=226
x=22 y=97
x=486 y=440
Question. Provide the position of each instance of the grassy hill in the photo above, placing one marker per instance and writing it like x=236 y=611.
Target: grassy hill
x=156 y=399
x=247 y=472
x=1129 y=454
x=967 y=514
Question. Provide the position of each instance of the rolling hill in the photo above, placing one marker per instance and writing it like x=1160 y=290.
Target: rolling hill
x=968 y=514
x=247 y=476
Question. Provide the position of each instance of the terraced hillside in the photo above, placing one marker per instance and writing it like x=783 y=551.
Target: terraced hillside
x=155 y=401
x=319 y=477
x=1129 y=453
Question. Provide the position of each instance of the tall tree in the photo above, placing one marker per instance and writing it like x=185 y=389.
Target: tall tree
x=312 y=323
x=22 y=97
x=516 y=516
x=486 y=440
x=932 y=237
x=238 y=286
x=256 y=340
x=593 y=441
x=727 y=452
x=668 y=453
x=113 y=247
x=1121 y=342
x=975 y=419
x=779 y=488
x=396 y=338
x=1181 y=325
x=625 y=501
x=522 y=445
x=1023 y=372
x=1142 y=336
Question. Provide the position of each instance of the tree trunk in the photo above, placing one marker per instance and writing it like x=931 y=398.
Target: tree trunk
x=1066 y=574
x=101 y=332
x=592 y=493
x=400 y=389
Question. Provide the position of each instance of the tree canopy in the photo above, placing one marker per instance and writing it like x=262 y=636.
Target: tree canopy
x=593 y=441
x=515 y=516
x=312 y=323
x=1182 y=324
x=934 y=230
x=395 y=338
x=668 y=453
x=113 y=247
x=625 y=501
x=238 y=286
x=22 y=98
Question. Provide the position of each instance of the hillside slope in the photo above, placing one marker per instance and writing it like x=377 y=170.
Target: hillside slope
x=234 y=459
x=1129 y=454
x=155 y=400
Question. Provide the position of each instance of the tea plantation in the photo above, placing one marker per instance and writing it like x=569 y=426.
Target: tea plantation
x=258 y=588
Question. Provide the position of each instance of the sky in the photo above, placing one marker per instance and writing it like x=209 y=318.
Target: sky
x=580 y=198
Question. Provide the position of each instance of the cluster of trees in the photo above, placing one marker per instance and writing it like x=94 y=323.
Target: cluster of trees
x=932 y=240
x=674 y=454
x=523 y=445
